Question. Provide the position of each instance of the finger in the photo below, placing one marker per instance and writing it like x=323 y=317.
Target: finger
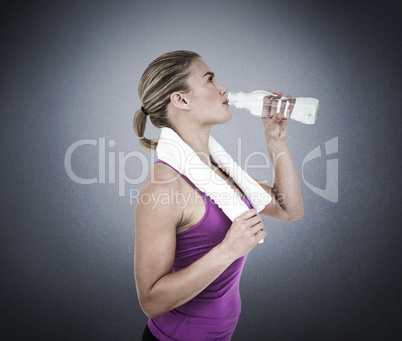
x=248 y=214
x=274 y=104
x=256 y=229
x=269 y=106
x=277 y=94
x=283 y=106
x=260 y=235
x=253 y=221
x=277 y=118
x=287 y=111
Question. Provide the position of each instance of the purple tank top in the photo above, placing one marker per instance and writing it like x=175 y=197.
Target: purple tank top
x=213 y=313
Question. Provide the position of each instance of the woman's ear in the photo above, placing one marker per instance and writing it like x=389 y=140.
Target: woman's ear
x=179 y=100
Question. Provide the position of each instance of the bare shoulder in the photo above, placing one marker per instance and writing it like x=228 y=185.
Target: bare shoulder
x=156 y=198
x=162 y=173
x=162 y=179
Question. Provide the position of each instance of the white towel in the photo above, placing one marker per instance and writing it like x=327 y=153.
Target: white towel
x=173 y=150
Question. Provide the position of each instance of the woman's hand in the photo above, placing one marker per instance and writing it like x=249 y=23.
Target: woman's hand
x=274 y=123
x=244 y=234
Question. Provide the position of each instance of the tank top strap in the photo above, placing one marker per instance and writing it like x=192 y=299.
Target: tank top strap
x=183 y=176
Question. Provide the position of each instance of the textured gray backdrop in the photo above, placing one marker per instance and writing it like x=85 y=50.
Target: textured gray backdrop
x=70 y=71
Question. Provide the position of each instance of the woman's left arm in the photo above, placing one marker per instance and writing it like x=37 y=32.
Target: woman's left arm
x=287 y=202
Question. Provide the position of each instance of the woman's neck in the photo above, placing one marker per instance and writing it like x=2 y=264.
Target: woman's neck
x=198 y=141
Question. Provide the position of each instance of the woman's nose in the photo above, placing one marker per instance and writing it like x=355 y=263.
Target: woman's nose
x=222 y=89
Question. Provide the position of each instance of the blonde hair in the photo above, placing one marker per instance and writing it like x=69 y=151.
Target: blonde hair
x=165 y=75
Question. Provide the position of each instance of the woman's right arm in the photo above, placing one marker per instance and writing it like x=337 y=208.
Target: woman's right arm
x=159 y=290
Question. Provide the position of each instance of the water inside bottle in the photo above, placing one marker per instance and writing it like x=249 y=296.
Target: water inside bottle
x=273 y=105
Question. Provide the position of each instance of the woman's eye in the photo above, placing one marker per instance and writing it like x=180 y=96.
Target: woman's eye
x=211 y=79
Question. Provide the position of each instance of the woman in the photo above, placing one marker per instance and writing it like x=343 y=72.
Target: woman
x=188 y=254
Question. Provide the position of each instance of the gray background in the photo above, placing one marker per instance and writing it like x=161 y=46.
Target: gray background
x=70 y=71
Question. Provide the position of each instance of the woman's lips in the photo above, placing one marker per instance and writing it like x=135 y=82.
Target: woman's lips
x=226 y=102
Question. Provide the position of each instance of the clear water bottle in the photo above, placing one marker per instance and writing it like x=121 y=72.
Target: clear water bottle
x=263 y=103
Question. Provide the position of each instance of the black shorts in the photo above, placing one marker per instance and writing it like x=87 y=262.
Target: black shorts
x=147 y=335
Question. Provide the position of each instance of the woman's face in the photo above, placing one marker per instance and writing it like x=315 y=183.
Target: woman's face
x=207 y=97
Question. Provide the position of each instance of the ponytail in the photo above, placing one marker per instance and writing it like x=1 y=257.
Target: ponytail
x=139 y=124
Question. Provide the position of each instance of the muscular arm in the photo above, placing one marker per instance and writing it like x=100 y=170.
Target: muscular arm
x=159 y=290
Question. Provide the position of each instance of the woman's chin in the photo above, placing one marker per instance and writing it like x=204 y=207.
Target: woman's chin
x=224 y=121
x=230 y=116
x=223 y=118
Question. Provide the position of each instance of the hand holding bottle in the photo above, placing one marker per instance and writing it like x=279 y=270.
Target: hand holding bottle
x=274 y=103
x=274 y=121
